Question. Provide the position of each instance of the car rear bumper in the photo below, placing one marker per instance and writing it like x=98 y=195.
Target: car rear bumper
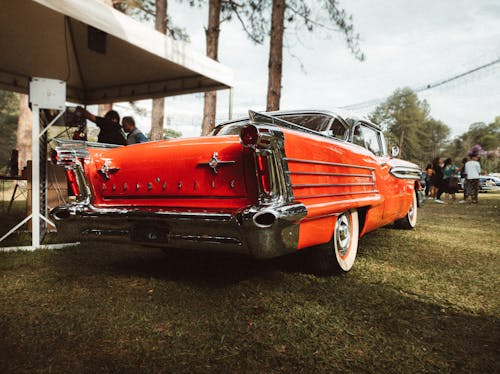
x=260 y=231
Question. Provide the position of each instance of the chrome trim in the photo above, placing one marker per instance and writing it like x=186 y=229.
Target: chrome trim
x=97 y=232
x=281 y=189
x=332 y=185
x=337 y=194
x=68 y=143
x=330 y=174
x=405 y=172
x=328 y=163
x=169 y=197
x=207 y=239
x=105 y=170
x=236 y=231
x=71 y=154
x=265 y=212
x=256 y=119
x=214 y=162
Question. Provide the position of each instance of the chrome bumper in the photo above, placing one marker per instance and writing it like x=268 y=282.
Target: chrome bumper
x=261 y=231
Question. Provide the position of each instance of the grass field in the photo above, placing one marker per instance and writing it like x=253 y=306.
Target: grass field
x=416 y=301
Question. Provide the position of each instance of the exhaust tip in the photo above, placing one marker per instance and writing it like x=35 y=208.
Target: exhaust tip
x=265 y=219
x=61 y=213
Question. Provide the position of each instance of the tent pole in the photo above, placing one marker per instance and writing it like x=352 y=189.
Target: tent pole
x=35 y=177
x=230 y=104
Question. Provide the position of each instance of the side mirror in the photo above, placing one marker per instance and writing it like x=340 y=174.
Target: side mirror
x=395 y=151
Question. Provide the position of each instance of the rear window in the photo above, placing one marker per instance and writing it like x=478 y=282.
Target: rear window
x=316 y=122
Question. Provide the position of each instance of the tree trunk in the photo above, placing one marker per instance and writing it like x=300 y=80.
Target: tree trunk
x=401 y=141
x=24 y=131
x=212 y=36
x=157 y=118
x=276 y=55
x=158 y=105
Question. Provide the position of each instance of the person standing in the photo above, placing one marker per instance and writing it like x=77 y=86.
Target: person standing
x=109 y=125
x=437 y=180
x=428 y=177
x=450 y=181
x=463 y=180
x=134 y=135
x=473 y=171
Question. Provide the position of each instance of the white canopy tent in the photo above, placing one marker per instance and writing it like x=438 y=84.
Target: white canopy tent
x=99 y=55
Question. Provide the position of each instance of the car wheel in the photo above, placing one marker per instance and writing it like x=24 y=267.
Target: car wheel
x=410 y=220
x=338 y=255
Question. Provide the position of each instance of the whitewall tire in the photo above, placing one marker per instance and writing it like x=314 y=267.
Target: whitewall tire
x=339 y=254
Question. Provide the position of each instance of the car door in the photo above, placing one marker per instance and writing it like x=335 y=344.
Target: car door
x=371 y=138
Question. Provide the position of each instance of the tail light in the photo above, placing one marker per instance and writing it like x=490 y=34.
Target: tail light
x=263 y=174
x=73 y=184
x=249 y=135
x=260 y=140
x=254 y=137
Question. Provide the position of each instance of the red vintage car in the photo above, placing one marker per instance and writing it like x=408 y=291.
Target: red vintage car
x=267 y=185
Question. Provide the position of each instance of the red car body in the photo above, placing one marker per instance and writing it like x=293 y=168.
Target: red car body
x=267 y=185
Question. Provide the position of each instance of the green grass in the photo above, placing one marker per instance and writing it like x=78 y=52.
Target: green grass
x=416 y=301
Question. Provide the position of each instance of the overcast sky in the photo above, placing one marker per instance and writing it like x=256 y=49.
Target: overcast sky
x=406 y=43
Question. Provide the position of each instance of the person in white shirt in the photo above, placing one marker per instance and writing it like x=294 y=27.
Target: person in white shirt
x=473 y=171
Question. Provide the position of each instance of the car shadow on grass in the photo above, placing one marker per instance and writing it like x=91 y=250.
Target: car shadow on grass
x=207 y=268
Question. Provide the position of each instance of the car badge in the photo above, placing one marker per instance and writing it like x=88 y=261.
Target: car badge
x=105 y=170
x=215 y=162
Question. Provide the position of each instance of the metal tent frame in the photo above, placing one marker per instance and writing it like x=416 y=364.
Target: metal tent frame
x=132 y=62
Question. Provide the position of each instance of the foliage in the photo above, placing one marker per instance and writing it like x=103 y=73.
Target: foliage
x=419 y=301
x=485 y=138
x=9 y=111
x=168 y=133
x=434 y=139
x=145 y=10
x=406 y=121
x=254 y=17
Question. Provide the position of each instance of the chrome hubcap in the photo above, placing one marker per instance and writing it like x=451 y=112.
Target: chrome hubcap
x=343 y=234
x=412 y=211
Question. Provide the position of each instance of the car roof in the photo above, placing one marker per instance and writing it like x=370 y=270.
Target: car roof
x=345 y=116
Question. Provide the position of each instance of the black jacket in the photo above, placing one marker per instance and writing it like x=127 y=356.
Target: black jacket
x=111 y=132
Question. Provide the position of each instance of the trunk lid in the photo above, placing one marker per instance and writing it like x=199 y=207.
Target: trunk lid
x=205 y=173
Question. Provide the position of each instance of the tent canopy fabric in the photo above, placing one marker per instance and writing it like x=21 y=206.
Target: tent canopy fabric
x=102 y=54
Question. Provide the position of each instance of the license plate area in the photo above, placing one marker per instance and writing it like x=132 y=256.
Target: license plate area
x=150 y=232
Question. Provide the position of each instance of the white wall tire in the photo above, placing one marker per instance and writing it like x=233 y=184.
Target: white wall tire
x=410 y=220
x=345 y=239
x=338 y=255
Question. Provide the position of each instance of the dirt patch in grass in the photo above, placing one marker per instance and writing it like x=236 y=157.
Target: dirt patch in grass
x=416 y=301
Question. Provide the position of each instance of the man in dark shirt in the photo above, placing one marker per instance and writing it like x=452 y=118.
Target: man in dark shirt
x=109 y=125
